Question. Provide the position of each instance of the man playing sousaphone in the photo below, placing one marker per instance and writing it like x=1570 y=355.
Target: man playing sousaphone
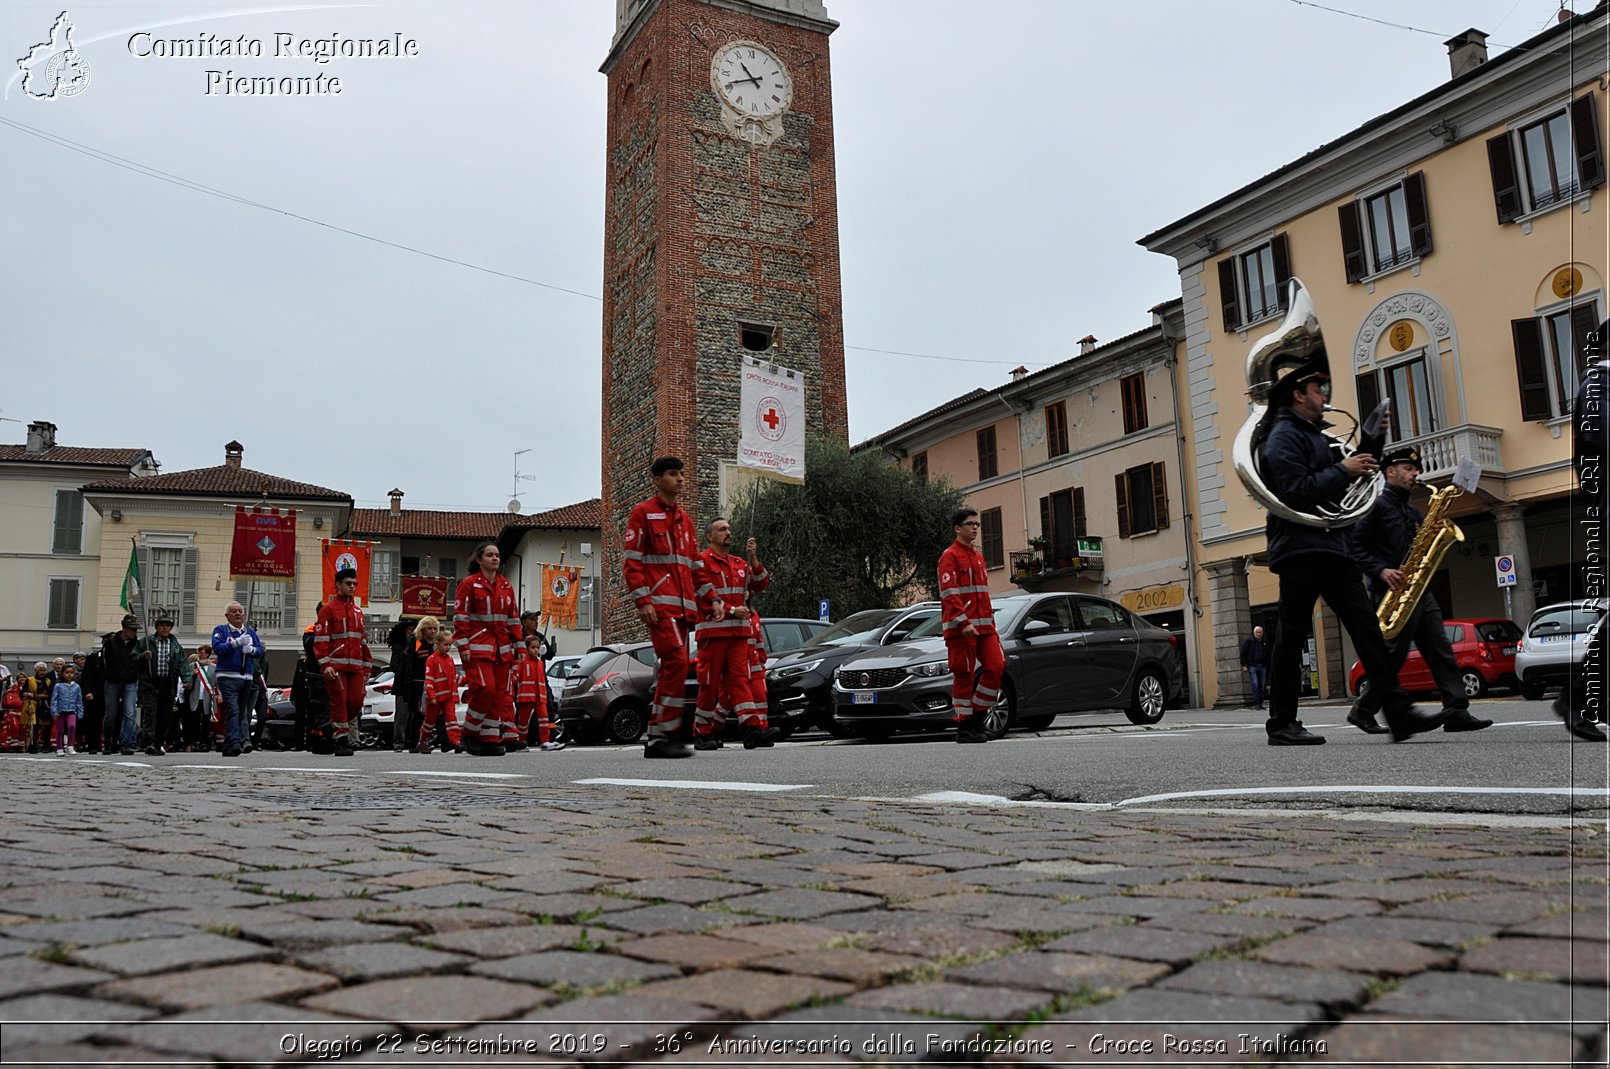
x=1310 y=533
x=1381 y=548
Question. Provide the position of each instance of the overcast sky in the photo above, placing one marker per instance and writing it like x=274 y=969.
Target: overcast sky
x=997 y=162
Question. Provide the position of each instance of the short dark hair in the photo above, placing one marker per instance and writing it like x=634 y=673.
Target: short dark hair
x=711 y=526
x=346 y=573
x=662 y=465
x=961 y=516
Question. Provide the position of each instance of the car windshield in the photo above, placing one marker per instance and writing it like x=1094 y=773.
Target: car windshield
x=856 y=628
x=1568 y=620
x=591 y=661
x=1006 y=614
x=1498 y=631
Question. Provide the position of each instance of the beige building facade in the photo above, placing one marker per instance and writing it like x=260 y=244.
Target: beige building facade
x=1075 y=472
x=181 y=524
x=1455 y=250
x=50 y=543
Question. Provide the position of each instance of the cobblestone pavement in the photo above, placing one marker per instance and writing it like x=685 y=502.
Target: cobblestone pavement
x=146 y=916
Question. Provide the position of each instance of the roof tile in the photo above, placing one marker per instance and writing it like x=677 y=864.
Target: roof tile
x=222 y=481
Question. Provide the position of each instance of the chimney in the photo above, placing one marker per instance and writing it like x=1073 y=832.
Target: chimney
x=1467 y=51
x=1087 y=343
x=232 y=454
x=396 y=501
x=1018 y=373
x=41 y=436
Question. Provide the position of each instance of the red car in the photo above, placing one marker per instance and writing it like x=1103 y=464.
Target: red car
x=1483 y=649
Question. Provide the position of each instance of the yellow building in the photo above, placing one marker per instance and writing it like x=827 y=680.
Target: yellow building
x=1455 y=251
x=50 y=563
x=182 y=526
x=1075 y=472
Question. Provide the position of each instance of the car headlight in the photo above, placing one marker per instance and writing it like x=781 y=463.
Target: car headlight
x=792 y=670
x=930 y=670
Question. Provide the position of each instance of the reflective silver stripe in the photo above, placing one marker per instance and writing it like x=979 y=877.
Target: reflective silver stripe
x=638 y=592
x=670 y=558
x=480 y=618
x=337 y=662
x=633 y=554
x=735 y=591
x=723 y=625
x=482 y=647
x=960 y=621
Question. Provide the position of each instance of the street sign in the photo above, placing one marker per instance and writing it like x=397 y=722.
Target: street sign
x=824 y=610
x=1505 y=566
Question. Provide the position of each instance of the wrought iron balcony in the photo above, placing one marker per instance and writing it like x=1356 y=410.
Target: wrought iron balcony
x=1039 y=564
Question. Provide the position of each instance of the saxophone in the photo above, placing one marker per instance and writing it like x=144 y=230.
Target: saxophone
x=1431 y=543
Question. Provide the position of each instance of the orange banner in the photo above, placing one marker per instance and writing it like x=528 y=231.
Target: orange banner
x=342 y=553
x=561 y=592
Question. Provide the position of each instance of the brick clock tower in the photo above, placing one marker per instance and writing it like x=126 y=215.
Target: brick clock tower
x=720 y=243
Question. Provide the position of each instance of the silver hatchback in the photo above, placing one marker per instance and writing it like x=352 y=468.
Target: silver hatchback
x=1555 y=642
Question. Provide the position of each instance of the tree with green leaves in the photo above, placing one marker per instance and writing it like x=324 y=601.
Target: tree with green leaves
x=859 y=530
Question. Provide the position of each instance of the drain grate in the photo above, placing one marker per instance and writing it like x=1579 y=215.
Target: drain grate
x=411 y=799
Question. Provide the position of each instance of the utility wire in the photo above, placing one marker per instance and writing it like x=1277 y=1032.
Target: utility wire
x=1384 y=22
x=199 y=187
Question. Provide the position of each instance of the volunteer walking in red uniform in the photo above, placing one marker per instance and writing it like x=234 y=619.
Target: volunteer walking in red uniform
x=342 y=653
x=486 y=629
x=724 y=646
x=661 y=566
x=973 y=648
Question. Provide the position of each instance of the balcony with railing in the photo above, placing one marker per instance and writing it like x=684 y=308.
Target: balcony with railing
x=1440 y=451
x=1037 y=565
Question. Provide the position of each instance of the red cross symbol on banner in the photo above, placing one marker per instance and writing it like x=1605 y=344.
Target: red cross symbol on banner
x=771 y=418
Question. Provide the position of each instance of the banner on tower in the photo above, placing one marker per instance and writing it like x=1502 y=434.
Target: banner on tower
x=771 y=404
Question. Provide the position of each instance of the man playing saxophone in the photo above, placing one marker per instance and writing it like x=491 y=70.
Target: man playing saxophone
x=1302 y=470
x=1381 y=544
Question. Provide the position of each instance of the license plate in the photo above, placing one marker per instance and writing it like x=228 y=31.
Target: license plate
x=1509 y=651
x=864 y=697
x=1554 y=638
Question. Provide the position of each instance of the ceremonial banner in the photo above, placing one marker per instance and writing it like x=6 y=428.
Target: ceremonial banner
x=561 y=590
x=342 y=553
x=771 y=420
x=265 y=544
x=425 y=595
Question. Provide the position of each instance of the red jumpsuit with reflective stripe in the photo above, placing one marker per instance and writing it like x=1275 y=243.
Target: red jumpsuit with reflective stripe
x=529 y=682
x=724 y=645
x=486 y=631
x=964 y=599
x=757 y=671
x=440 y=699
x=661 y=565
x=338 y=642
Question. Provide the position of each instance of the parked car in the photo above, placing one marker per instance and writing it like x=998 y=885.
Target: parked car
x=799 y=684
x=1484 y=649
x=560 y=670
x=1064 y=653
x=1555 y=642
x=785 y=634
x=610 y=691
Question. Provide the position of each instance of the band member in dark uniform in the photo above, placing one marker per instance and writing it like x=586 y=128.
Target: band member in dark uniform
x=1302 y=468
x=1381 y=544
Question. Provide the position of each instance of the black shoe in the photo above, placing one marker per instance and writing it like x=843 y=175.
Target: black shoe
x=1408 y=721
x=1365 y=722
x=707 y=742
x=1294 y=734
x=667 y=748
x=341 y=750
x=514 y=746
x=481 y=748
x=230 y=751
x=126 y=751
x=760 y=738
x=1583 y=728
x=965 y=733
x=1465 y=720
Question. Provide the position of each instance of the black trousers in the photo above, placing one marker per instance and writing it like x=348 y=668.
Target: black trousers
x=1425 y=631
x=156 y=712
x=1339 y=582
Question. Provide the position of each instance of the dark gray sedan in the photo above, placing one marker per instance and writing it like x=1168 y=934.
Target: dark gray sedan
x=1065 y=653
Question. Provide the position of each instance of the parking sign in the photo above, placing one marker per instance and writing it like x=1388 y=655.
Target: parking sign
x=1505 y=566
x=823 y=610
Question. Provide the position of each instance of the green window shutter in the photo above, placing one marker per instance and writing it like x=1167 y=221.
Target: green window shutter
x=68 y=536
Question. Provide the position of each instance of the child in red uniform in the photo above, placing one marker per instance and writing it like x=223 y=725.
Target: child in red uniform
x=441 y=693
x=529 y=681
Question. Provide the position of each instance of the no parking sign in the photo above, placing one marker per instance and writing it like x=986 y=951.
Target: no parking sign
x=1505 y=566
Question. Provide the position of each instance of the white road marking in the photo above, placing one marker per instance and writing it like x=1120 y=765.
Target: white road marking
x=464 y=775
x=698 y=785
x=1234 y=792
x=284 y=768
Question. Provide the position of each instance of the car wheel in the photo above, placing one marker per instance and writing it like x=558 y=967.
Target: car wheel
x=998 y=717
x=872 y=732
x=1150 y=699
x=1475 y=685
x=1037 y=723
x=625 y=721
x=1531 y=691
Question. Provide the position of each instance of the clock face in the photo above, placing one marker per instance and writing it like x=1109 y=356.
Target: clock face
x=751 y=80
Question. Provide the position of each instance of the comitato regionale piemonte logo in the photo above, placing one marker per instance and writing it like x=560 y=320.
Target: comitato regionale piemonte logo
x=53 y=69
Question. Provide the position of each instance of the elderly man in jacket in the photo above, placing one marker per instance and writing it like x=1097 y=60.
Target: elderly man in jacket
x=159 y=659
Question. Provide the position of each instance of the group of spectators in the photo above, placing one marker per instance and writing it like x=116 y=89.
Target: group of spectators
x=135 y=693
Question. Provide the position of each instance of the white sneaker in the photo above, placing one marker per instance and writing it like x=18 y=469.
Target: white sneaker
x=72 y=751
x=61 y=753
x=551 y=746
